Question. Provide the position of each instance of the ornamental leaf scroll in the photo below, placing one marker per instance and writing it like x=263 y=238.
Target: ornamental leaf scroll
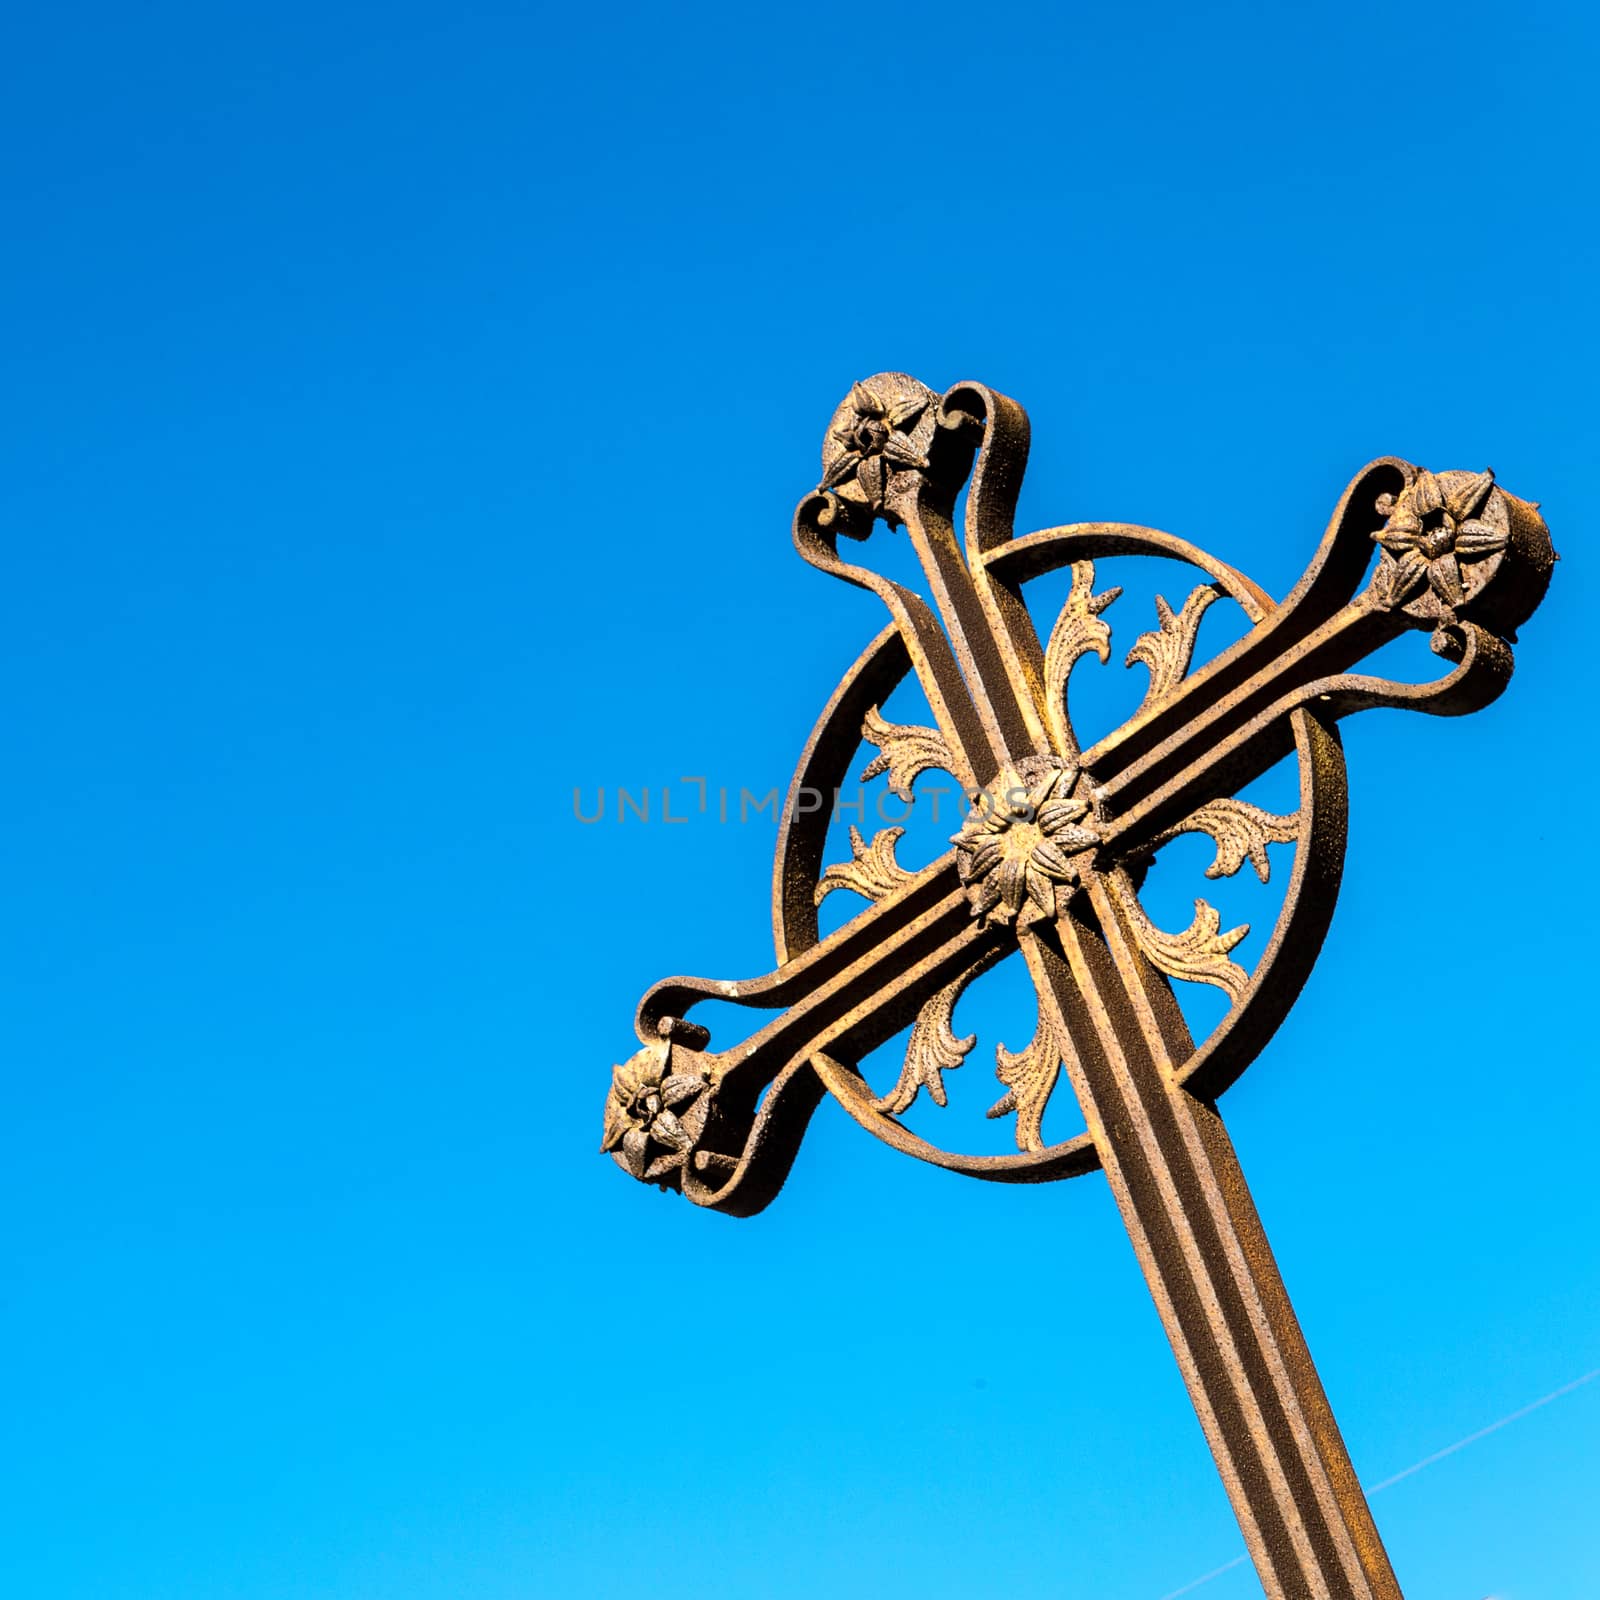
x=1030 y=1077
x=1200 y=954
x=1166 y=650
x=1079 y=631
x=932 y=1050
x=903 y=752
x=1240 y=830
x=872 y=870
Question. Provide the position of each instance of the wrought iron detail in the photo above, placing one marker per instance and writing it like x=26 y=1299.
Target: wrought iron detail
x=1240 y=831
x=1079 y=631
x=1029 y=1076
x=932 y=1050
x=1024 y=843
x=1200 y=954
x=1166 y=650
x=903 y=752
x=872 y=870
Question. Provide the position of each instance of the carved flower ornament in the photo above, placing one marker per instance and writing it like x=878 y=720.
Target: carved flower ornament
x=1024 y=838
x=1439 y=529
x=654 y=1116
x=872 y=435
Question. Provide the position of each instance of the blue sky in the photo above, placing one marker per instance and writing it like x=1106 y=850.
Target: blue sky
x=406 y=408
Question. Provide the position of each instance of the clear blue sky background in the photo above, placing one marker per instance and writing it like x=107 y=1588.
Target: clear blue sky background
x=404 y=411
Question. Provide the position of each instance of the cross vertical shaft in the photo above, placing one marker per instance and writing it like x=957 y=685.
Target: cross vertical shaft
x=1188 y=1211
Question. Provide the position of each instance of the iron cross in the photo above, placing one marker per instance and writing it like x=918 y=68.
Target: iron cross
x=1049 y=861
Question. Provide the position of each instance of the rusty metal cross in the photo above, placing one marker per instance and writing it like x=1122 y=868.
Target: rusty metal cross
x=1049 y=862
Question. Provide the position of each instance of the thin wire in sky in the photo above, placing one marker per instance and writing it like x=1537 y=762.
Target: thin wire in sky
x=1215 y=1572
x=1415 y=1467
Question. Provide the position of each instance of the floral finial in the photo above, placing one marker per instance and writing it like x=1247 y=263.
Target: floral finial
x=878 y=436
x=654 y=1116
x=1440 y=530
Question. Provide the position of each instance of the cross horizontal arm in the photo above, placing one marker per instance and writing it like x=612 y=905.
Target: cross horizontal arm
x=847 y=995
x=1155 y=771
x=1235 y=740
x=1226 y=723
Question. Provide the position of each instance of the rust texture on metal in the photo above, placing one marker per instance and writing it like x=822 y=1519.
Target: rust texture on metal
x=1048 y=864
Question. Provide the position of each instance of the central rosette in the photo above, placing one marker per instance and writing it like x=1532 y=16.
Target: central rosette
x=1024 y=847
